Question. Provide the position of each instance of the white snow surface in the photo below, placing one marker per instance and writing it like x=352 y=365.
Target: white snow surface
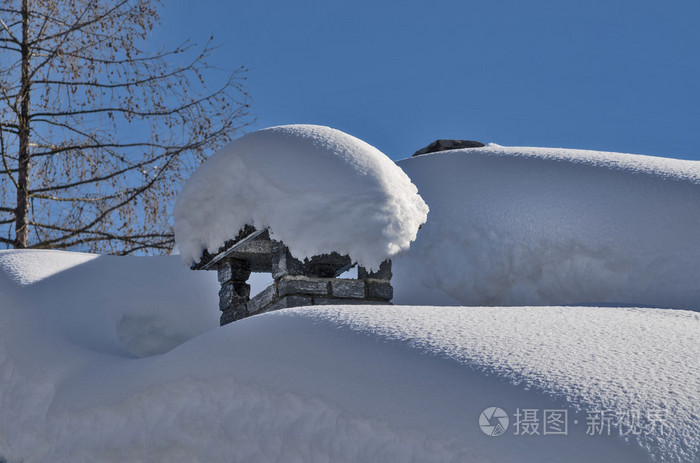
x=25 y=268
x=119 y=358
x=546 y=226
x=318 y=189
x=335 y=383
x=109 y=304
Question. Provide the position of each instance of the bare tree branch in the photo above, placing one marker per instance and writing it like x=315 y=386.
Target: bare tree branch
x=95 y=162
x=131 y=111
x=7 y=29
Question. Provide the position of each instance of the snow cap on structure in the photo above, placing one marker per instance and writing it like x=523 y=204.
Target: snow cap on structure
x=318 y=189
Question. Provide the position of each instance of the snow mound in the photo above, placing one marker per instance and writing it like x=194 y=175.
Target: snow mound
x=25 y=268
x=328 y=383
x=135 y=307
x=544 y=226
x=318 y=189
x=586 y=359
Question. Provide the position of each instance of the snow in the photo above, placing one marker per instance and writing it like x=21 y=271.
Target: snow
x=109 y=304
x=334 y=383
x=120 y=358
x=318 y=189
x=544 y=226
x=25 y=268
x=589 y=358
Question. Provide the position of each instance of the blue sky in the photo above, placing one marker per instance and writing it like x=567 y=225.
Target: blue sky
x=609 y=75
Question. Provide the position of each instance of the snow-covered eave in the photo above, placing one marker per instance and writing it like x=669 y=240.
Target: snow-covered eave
x=208 y=261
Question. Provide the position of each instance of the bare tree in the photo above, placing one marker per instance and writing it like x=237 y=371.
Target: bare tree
x=96 y=132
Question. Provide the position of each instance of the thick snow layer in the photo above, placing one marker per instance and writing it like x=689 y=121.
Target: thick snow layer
x=542 y=226
x=318 y=189
x=25 y=268
x=341 y=384
x=586 y=358
x=138 y=306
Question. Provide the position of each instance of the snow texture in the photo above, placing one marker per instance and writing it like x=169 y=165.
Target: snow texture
x=139 y=306
x=117 y=359
x=25 y=268
x=335 y=383
x=318 y=189
x=544 y=226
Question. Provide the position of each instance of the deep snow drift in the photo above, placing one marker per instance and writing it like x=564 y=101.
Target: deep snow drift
x=542 y=226
x=138 y=306
x=119 y=359
x=361 y=383
x=318 y=189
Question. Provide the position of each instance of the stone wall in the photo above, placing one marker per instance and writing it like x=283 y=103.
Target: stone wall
x=291 y=288
x=296 y=283
x=235 y=291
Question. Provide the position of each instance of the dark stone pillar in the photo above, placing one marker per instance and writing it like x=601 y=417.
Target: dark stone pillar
x=235 y=291
x=378 y=282
x=283 y=263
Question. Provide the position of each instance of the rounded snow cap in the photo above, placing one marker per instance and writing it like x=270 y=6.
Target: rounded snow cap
x=318 y=190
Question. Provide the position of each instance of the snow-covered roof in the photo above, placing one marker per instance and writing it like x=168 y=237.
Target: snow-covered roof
x=551 y=226
x=317 y=189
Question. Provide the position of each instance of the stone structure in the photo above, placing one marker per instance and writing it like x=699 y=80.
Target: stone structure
x=311 y=282
x=444 y=145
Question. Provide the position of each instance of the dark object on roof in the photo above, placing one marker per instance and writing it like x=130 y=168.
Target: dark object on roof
x=444 y=145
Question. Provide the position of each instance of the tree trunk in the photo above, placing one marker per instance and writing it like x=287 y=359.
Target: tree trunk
x=96 y=132
x=22 y=211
